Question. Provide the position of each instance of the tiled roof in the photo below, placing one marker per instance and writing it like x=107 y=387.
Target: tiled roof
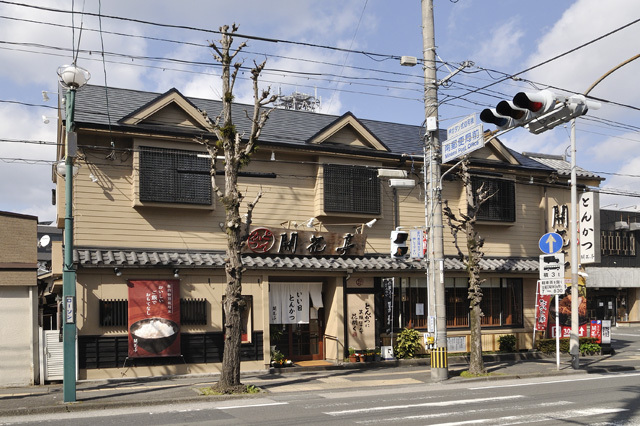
x=109 y=257
x=560 y=165
x=300 y=126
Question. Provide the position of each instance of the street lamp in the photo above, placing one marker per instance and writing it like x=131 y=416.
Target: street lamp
x=72 y=78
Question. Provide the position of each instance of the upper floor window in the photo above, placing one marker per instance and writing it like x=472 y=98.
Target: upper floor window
x=174 y=176
x=351 y=189
x=501 y=207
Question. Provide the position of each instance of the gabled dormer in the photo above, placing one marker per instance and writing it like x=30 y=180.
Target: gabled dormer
x=349 y=132
x=170 y=110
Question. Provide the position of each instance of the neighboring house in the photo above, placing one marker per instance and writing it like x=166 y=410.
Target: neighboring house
x=19 y=361
x=614 y=283
x=49 y=252
x=149 y=241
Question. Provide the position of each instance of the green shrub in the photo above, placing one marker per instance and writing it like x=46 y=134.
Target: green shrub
x=507 y=343
x=548 y=346
x=408 y=344
x=589 y=348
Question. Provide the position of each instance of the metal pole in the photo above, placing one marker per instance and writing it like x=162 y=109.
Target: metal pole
x=439 y=366
x=574 y=341
x=68 y=271
x=557 y=300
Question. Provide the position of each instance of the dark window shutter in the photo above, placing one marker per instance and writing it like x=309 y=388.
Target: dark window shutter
x=351 y=189
x=501 y=207
x=174 y=176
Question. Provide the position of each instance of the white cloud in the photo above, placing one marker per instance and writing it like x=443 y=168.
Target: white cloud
x=503 y=47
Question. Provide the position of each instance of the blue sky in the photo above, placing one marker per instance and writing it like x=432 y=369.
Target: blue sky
x=502 y=37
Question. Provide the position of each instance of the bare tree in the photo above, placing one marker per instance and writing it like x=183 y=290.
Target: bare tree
x=237 y=150
x=465 y=224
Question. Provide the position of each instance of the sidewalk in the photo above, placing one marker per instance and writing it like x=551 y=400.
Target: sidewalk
x=103 y=394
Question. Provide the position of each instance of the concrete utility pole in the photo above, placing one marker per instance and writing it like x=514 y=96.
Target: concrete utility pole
x=433 y=208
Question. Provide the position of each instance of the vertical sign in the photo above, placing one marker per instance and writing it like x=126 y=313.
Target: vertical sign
x=387 y=284
x=416 y=243
x=589 y=228
x=154 y=318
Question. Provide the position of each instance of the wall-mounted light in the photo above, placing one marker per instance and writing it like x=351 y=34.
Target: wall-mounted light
x=45 y=95
x=371 y=223
x=273 y=156
x=117 y=271
x=61 y=168
x=46 y=120
x=176 y=273
x=530 y=180
x=309 y=223
x=93 y=178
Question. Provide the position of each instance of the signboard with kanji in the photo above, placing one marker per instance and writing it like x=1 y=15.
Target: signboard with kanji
x=552 y=266
x=551 y=287
x=154 y=318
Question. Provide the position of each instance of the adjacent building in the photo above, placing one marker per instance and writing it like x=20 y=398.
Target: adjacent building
x=19 y=359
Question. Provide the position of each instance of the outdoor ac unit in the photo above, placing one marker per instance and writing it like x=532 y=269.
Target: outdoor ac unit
x=635 y=226
x=621 y=225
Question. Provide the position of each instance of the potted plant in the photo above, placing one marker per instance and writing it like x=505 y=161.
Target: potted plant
x=377 y=354
x=278 y=359
x=352 y=354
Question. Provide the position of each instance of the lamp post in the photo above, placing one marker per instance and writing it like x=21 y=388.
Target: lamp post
x=574 y=341
x=72 y=78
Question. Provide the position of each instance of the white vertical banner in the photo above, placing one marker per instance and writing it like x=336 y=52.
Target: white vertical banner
x=416 y=245
x=589 y=228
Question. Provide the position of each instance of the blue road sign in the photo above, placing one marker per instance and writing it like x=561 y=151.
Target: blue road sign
x=550 y=243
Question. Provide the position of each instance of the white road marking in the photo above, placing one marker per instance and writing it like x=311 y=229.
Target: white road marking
x=466 y=411
x=424 y=404
x=541 y=417
x=515 y=385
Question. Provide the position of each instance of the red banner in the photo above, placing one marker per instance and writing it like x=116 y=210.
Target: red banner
x=154 y=318
x=596 y=330
x=542 y=312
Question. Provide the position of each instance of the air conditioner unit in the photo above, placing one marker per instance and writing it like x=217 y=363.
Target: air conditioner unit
x=621 y=225
x=402 y=183
x=635 y=226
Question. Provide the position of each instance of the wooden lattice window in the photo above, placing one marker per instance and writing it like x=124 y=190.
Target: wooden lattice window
x=193 y=311
x=114 y=313
x=174 y=176
x=351 y=189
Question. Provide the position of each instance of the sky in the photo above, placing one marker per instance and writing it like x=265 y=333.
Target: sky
x=345 y=52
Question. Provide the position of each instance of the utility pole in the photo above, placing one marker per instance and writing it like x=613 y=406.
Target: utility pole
x=433 y=207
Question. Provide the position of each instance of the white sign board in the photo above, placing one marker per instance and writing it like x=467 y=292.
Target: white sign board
x=463 y=143
x=551 y=287
x=589 y=228
x=462 y=126
x=552 y=266
x=416 y=246
x=606 y=332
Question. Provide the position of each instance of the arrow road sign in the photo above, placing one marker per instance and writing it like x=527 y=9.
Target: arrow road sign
x=550 y=243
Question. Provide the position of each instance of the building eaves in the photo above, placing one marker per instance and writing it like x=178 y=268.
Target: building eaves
x=140 y=258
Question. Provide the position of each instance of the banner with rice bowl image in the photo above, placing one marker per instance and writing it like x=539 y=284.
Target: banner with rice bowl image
x=154 y=318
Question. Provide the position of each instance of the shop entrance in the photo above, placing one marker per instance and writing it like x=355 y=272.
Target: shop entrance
x=300 y=342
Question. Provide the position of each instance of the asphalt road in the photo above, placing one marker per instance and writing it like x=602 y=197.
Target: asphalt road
x=585 y=399
x=599 y=399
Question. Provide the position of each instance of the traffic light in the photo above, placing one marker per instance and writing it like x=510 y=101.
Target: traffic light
x=537 y=111
x=399 y=246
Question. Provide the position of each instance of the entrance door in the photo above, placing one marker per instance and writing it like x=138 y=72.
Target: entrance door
x=305 y=341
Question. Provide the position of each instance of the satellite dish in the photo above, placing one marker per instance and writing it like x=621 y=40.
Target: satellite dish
x=44 y=241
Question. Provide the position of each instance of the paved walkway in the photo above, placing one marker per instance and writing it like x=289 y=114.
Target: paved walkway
x=118 y=393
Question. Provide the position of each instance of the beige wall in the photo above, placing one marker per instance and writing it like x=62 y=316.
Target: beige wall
x=19 y=335
x=105 y=216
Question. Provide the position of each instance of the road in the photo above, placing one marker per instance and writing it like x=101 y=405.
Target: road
x=593 y=399
x=599 y=399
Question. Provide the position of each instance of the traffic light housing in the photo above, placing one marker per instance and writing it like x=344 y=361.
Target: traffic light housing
x=537 y=111
x=399 y=246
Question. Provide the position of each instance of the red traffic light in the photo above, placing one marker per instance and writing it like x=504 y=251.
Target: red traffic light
x=538 y=102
